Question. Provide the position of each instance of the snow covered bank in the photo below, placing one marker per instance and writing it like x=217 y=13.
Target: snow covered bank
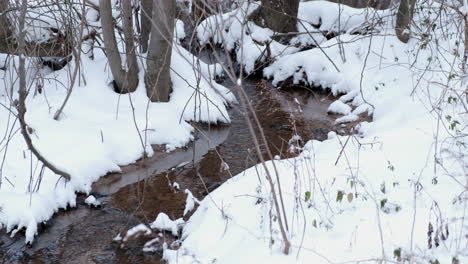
x=99 y=131
x=396 y=192
x=252 y=43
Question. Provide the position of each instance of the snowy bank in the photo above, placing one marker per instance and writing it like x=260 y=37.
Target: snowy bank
x=253 y=44
x=395 y=192
x=98 y=131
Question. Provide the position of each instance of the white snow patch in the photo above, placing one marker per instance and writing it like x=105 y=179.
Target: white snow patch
x=92 y=201
x=118 y=237
x=338 y=107
x=234 y=32
x=179 y=31
x=136 y=231
x=163 y=222
x=347 y=119
x=189 y=202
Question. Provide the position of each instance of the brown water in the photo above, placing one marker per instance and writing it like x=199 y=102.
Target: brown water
x=142 y=190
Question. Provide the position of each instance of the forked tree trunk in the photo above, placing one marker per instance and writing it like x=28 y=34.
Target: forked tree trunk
x=280 y=15
x=125 y=81
x=158 y=73
x=404 y=18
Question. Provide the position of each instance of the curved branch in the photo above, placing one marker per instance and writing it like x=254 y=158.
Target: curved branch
x=23 y=93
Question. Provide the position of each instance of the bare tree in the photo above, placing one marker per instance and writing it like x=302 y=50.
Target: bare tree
x=157 y=77
x=124 y=80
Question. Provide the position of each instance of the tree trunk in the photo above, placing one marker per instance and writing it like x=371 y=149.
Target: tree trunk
x=122 y=80
x=145 y=17
x=465 y=52
x=130 y=49
x=280 y=15
x=201 y=9
x=158 y=73
x=404 y=18
x=377 y=4
x=6 y=34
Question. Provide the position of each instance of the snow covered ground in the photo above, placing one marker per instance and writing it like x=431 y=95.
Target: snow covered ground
x=98 y=131
x=395 y=192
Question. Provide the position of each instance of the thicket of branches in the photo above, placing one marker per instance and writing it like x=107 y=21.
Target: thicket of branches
x=63 y=31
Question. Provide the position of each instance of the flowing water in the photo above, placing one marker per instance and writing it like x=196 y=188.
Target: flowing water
x=143 y=189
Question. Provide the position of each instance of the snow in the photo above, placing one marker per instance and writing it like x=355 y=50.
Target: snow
x=233 y=32
x=92 y=201
x=339 y=107
x=347 y=119
x=179 y=31
x=136 y=231
x=118 y=237
x=189 y=202
x=148 y=247
x=395 y=192
x=97 y=132
x=253 y=43
x=163 y=222
x=328 y=16
x=464 y=9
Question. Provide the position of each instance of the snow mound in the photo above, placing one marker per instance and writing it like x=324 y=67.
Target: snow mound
x=92 y=201
x=339 y=107
x=135 y=231
x=163 y=222
x=190 y=202
x=347 y=119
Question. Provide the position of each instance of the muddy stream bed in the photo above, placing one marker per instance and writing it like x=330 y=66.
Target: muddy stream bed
x=143 y=189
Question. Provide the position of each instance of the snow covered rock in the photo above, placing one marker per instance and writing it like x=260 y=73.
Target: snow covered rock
x=92 y=201
x=338 y=107
x=163 y=222
x=135 y=232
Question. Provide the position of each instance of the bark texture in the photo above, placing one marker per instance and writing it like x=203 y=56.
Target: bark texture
x=158 y=73
x=130 y=48
x=377 y=4
x=279 y=15
x=145 y=17
x=465 y=52
x=404 y=18
x=125 y=81
x=201 y=9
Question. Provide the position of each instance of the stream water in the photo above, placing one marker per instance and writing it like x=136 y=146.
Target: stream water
x=143 y=189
